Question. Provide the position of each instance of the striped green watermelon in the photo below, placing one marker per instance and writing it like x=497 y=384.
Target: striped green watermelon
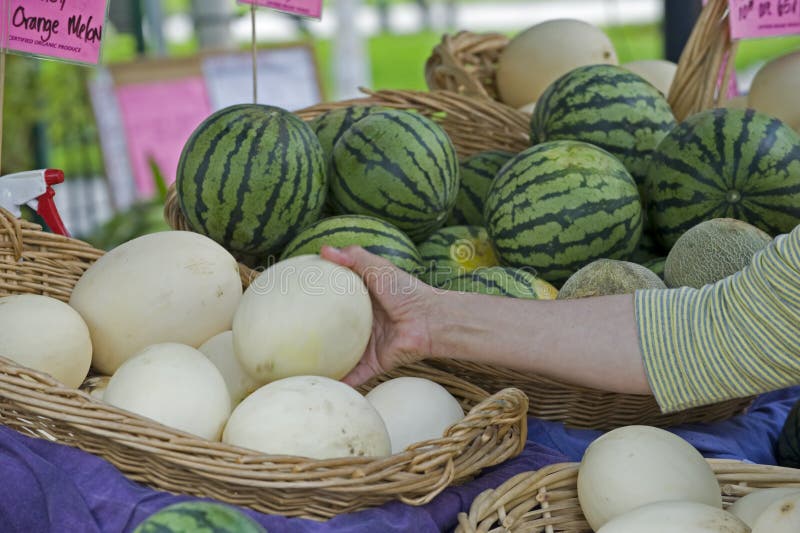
x=456 y=250
x=199 y=517
x=330 y=125
x=372 y=234
x=502 y=281
x=725 y=163
x=251 y=175
x=477 y=173
x=656 y=265
x=397 y=166
x=560 y=205
x=607 y=106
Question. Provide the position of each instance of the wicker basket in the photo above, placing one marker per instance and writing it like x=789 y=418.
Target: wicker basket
x=464 y=118
x=34 y=262
x=547 y=500
x=466 y=63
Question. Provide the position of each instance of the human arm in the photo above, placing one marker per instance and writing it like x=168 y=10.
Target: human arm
x=688 y=347
x=591 y=342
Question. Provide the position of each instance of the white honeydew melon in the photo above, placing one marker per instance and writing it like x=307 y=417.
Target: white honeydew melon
x=675 y=517
x=302 y=316
x=219 y=350
x=47 y=335
x=658 y=72
x=414 y=410
x=175 y=385
x=775 y=87
x=635 y=465
x=172 y=286
x=737 y=102
x=541 y=54
x=528 y=108
x=748 y=507
x=782 y=516
x=308 y=416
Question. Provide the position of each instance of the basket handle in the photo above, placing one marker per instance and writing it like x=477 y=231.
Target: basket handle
x=709 y=49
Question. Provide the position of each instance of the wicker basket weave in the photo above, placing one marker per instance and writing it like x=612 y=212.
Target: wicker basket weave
x=547 y=500
x=467 y=63
x=493 y=431
x=465 y=120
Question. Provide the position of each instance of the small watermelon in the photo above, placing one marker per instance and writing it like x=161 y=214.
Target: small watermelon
x=397 y=166
x=502 y=281
x=725 y=163
x=477 y=173
x=788 y=449
x=560 y=205
x=456 y=250
x=609 y=276
x=648 y=248
x=372 y=234
x=249 y=176
x=656 y=265
x=330 y=125
x=608 y=106
x=199 y=517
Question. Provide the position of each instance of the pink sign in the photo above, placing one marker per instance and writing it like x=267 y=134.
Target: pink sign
x=764 y=18
x=158 y=118
x=304 y=8
x=64 y=29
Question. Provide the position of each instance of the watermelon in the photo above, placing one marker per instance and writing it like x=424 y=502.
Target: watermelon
x=788 y=449
x=330 y=125
x=397 y=166
x=199 y=517
x=608 y=106
x=560 y=205
x=456 y=250
x=477 y=173
x=372 y=234
x=725 y=163
x=656 y=265
x=249 y=176
x=502 y=281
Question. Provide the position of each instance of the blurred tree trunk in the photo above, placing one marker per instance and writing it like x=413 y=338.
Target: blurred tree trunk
x=212 y=22
x=679 y=19
x=351 y=62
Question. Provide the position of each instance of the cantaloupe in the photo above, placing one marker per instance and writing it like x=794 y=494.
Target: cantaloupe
x=609 y=276
x=711 y=251
x=540 y=55
x=775 y=87
x=659 y=72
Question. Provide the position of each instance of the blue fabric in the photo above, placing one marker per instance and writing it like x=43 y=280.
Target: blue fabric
x=47 y=487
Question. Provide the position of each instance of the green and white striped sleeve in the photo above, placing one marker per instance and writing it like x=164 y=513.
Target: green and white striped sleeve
x=737 y=337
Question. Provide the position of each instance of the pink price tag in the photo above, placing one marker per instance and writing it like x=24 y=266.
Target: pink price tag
x=764 y=18
x=159 y=117
x=71 y=30
x=304 y=8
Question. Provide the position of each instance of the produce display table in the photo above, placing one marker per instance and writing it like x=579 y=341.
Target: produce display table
x=52 y=487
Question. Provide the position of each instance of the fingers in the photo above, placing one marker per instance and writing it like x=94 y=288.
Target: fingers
x=360 y=374
x=356 y=258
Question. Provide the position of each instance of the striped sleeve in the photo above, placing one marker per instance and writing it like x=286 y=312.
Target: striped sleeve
x=735 y=338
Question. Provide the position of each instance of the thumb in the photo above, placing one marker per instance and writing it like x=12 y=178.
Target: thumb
x=355 y=258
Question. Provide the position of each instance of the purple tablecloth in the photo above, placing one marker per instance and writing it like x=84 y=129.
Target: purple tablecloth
x=47 y=487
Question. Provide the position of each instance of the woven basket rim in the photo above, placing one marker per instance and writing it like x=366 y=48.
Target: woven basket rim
x=532 y=500
x=466 y=62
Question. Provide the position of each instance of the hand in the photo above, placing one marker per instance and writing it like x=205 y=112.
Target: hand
x=400 y=308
